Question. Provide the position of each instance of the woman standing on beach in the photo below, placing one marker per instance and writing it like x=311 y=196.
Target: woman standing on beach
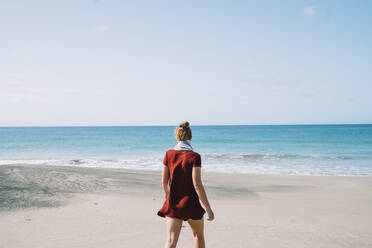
x=182 y=170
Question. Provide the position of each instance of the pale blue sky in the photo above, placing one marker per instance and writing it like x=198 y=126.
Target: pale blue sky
x=161 y=62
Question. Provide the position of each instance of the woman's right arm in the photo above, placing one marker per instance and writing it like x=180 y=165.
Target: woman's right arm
x=199 y=188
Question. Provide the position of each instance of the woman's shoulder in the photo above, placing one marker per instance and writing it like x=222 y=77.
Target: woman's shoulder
x=195 y=154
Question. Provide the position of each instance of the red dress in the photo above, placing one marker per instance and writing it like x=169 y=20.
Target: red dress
x=182 y=201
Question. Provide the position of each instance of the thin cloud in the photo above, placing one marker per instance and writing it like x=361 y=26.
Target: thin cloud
x=310 y=10
x=47 y=95
x=16 y=97
x=102 y=28
x=309 y=94
x=14 y=83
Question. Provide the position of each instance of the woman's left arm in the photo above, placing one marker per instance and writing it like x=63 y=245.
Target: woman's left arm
x=165 y=179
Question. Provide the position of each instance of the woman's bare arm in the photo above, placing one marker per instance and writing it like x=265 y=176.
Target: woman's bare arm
x=199 y=188
x=165 y=179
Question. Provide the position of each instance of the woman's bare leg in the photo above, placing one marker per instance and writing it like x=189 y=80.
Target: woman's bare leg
x=197 y=227
x=174 y=226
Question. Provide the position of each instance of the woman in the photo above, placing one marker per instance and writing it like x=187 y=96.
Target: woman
x=182 y=170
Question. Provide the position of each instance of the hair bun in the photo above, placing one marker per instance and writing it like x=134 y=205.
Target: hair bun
x=183 y=131
x=185 y=124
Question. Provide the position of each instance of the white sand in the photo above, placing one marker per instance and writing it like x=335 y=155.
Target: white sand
x=117 y=208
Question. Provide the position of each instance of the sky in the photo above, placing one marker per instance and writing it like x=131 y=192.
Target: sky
x=67 y=63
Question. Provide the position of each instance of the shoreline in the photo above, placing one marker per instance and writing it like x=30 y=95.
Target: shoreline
x=159 y=171
x=65 y=206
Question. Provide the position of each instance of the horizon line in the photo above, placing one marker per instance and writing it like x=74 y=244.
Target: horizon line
x=196 y=125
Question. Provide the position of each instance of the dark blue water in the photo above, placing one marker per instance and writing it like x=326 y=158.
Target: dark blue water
x=294 y=149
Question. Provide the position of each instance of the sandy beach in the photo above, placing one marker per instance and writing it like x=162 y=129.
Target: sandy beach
x=51 y=206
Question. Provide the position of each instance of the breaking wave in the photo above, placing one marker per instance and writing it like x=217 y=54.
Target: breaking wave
x=254 y=163
x=255 y=156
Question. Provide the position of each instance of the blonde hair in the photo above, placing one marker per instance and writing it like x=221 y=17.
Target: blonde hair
x=183 y=131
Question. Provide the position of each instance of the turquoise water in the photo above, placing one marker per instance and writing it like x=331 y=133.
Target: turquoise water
x=292 y=149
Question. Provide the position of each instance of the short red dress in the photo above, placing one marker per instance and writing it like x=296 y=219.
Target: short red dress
x=182 y=201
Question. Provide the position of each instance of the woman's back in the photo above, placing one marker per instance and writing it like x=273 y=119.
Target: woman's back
x=182 y=200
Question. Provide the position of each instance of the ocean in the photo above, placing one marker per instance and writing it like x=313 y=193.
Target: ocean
x=341 y=150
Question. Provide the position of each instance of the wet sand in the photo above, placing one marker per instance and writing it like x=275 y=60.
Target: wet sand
x=50 y=206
